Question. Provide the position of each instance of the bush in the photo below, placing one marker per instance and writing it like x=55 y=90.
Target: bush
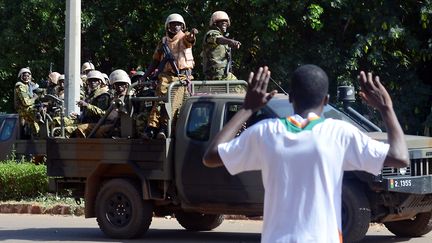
x=21 y=180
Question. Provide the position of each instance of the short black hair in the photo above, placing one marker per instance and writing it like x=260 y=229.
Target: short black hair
x=309 y=86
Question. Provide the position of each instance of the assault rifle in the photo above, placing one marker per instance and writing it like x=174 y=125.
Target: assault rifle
x=168 y=57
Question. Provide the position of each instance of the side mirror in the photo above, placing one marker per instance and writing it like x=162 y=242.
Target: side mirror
x=346 y=94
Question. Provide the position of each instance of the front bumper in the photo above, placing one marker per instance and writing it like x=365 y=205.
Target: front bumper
x=409 y=184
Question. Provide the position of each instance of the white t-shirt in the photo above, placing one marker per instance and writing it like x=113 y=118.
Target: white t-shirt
x=302 y=174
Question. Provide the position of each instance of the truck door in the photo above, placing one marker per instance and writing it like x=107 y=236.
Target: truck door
x=198 y=183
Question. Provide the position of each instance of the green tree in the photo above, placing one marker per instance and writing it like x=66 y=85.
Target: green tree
x=391 y=38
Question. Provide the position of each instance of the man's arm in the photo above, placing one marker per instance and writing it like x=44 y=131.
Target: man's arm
x=256 y=97
x=230 y=42
x=375 y=95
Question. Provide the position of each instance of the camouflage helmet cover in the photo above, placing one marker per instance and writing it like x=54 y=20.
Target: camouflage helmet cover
x=219 y=15
x=174 y=18
x=119 y=75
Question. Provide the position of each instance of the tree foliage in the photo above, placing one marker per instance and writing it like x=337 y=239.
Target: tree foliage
x=392 y=38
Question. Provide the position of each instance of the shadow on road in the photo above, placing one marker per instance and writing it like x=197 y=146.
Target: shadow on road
x=384 y=239
x=152 y=236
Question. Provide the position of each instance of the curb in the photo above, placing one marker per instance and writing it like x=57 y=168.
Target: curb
x=23 y=208
x=20 y=208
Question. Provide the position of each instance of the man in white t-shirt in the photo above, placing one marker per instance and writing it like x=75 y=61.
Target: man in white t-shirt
x=302 y=158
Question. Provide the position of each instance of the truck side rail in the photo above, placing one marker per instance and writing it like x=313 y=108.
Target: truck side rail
x=197 y=88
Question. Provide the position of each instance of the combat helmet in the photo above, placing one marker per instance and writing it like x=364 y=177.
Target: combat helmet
x=54 y=77
x=219 y=15
x=96 y=75
x=175 y=18
x=24 y=70
x=119 y=75
x=87 y=66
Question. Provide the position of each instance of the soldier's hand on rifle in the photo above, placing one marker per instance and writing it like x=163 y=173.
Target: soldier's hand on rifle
x=234 y=44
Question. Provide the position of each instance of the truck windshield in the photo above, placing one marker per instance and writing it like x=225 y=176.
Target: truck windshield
x=282 y=108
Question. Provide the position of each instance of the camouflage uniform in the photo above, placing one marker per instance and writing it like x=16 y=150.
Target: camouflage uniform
x=181 y=49
x=215 y=57
x=25 y=105
x=98 y=102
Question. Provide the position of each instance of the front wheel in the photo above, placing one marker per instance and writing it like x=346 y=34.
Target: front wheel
x=199 y=221
x=356 y=213
x=420 y=225
x=121 y=211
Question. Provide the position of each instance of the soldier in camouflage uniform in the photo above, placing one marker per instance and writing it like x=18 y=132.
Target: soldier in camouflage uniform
x=216 y=52
x=180 y=46
x=24 y=100
x=93 y=107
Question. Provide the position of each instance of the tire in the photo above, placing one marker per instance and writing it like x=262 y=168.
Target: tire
x=420 y=225
x=356 y=213
x=120 y=210
x=199 y=221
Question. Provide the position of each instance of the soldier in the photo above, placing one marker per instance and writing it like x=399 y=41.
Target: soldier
x=93 y=107
x=120 y=82
x=174 y=61
x=85 y=69
x=143 y=88
x=52 y=87
x=217 y=46
x=25 y=100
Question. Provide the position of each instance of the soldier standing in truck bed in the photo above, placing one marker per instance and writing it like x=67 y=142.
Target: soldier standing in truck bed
x=174 y=61
x=25 y=100
x=217 y=47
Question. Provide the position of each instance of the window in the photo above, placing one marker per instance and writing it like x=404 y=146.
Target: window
x=198 y=125
x=232 y=108
x=6 y=128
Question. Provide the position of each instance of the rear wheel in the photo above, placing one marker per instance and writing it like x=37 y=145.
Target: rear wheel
x=356 y=212
x=120 y=210
x=199 y=221
x=420 y=225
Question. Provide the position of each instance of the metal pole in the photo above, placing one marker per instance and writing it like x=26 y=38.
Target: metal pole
x=72 y=55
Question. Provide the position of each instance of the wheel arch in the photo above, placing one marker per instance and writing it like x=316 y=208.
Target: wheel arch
x=104 y=173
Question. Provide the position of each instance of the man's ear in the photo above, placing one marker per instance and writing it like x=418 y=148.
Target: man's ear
x=326 y=99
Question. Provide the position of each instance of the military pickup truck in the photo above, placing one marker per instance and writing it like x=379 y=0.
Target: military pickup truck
x=126 y=180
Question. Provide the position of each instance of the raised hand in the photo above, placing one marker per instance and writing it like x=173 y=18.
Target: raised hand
x=373 y=92
x=257 y=95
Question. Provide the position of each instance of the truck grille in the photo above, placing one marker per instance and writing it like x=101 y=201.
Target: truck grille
x=418 y=167
x=421 y=167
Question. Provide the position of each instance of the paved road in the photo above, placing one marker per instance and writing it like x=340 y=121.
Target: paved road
x=46 y=228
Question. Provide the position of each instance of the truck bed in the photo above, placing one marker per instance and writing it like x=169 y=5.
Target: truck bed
x=79 y=157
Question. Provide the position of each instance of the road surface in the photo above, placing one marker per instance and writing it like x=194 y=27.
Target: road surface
x=48 y=228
